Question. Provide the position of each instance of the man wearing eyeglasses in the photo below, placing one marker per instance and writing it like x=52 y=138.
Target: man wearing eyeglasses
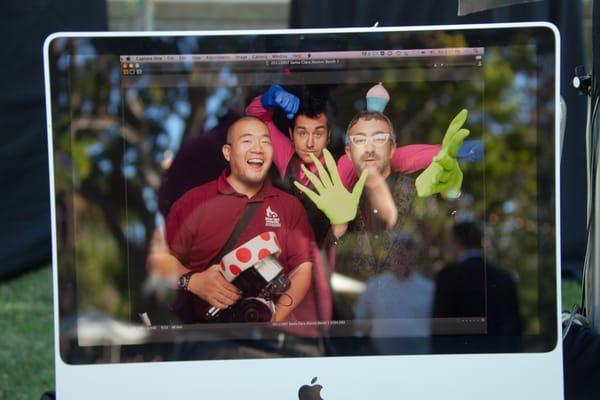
x=387 y=198
x=370 y=144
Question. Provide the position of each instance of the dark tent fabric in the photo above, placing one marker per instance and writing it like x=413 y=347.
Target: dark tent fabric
x=24 y=206
x=565 y=14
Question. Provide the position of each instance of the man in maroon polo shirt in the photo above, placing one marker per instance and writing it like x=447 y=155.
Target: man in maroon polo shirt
x=202 y=220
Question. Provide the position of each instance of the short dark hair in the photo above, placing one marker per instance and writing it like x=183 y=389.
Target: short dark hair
x=241 y=119
x=468 y=234
x=313 y=102
x=312 y=106
x=368 y=115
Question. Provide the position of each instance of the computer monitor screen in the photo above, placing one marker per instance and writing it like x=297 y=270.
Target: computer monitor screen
x=303 y=194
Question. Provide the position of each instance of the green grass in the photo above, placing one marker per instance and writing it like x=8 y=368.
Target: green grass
x=26 y=341
x=571 y=294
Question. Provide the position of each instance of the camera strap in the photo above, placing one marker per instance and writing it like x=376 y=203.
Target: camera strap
x=251 y=208
x=239 y=228
x=192 y=309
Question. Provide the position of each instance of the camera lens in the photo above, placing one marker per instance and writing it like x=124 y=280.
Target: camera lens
x=253 y=310
x=251 y=314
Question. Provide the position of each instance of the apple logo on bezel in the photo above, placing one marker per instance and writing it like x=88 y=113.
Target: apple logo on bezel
x=310 y=392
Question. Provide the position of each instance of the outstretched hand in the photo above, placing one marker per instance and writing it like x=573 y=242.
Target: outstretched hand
x=330 y=195
x=276 y=96
x=444 y=174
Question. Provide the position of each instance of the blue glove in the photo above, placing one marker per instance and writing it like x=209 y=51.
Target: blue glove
x=471 y=150
x=276 y=96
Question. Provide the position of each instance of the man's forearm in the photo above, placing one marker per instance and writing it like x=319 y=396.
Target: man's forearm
x=300 y=280
x=160 y=262
x=381 y=202
x=165 y=265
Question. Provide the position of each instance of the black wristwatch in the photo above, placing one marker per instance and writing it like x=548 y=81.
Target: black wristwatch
x=184 y=280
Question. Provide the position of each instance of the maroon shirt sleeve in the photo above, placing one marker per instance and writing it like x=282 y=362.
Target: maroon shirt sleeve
x=300 y=236
x=179 y=238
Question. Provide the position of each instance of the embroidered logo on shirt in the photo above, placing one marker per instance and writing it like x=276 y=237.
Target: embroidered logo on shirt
x=272 y=218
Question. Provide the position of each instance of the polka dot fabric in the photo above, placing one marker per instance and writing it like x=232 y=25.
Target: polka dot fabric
x=248 y=254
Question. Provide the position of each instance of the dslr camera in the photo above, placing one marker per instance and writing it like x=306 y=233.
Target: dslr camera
x=253 y=268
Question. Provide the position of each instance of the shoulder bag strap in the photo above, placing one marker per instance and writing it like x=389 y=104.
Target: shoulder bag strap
x=239 y=228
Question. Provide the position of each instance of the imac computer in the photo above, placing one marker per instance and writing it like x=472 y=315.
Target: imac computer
x=306 y=214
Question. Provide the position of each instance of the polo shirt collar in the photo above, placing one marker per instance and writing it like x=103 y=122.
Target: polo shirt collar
x=223 y=187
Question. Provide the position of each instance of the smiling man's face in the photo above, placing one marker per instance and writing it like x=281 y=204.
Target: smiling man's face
x=249 y=152
x=370 y=145
x=310 y=136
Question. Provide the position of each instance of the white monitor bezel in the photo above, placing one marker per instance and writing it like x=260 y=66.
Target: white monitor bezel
x=493 y=376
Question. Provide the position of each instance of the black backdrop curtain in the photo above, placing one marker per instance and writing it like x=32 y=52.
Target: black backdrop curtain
x=24 y=203
x=565 y=14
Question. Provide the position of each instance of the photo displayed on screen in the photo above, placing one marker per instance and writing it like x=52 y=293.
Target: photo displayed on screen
x=268 y=204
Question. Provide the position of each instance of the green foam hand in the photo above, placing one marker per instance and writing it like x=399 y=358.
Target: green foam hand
x=443 y=174
x=330 y=195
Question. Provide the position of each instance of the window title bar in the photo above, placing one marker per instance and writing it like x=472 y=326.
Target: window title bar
x=244 y=57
